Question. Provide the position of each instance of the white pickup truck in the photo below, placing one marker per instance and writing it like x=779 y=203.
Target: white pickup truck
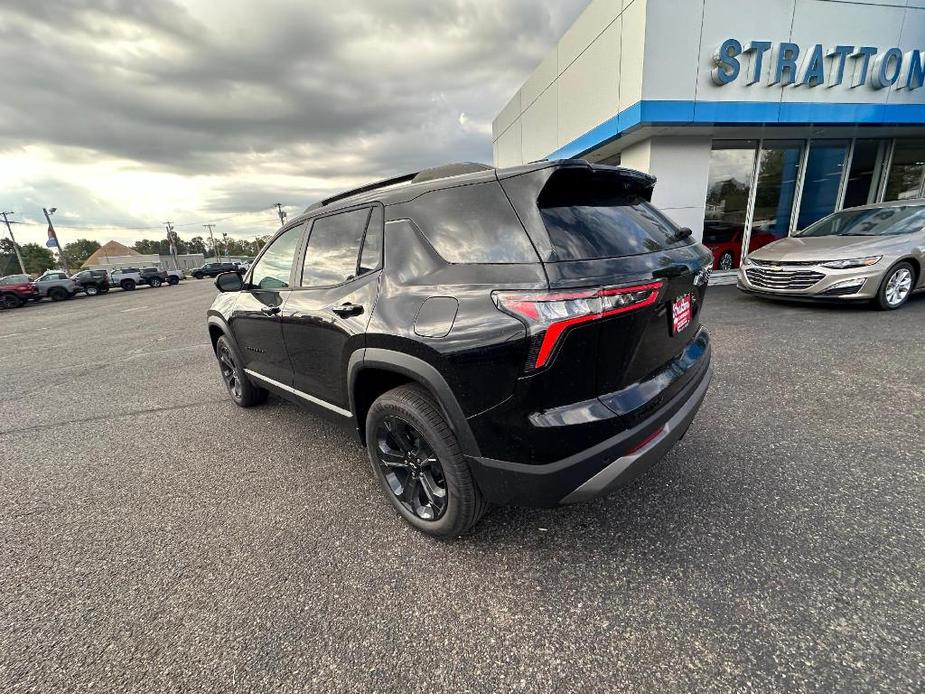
x=130 y=277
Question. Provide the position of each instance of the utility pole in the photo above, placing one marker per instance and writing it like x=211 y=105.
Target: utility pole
x=22 y=267
x=210 y=227
x=53 y=236
x=281 y=212
x=172 y=240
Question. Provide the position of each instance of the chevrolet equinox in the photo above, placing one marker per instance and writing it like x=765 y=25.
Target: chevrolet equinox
x=527 y=335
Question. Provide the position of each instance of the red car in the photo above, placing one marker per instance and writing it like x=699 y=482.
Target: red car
x=15 y=290
x=725 y=243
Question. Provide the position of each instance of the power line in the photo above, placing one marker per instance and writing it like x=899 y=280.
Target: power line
x=115 y=227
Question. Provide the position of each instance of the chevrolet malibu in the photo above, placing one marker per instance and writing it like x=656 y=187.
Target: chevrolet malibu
x=872 y=253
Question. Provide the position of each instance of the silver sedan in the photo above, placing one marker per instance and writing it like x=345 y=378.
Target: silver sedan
x=874 y=253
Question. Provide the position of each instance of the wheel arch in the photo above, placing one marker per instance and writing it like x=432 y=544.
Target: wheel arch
x=374 y=371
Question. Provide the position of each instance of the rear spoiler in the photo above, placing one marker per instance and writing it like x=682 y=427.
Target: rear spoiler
x=524 y=185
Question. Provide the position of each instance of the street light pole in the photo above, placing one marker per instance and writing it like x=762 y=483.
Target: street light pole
x=54 y=237
x=210 y=227
x=225 y=234
x=22 y=267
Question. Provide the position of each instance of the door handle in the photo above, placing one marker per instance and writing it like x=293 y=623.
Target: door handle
x=270 y=310
x=348 y=309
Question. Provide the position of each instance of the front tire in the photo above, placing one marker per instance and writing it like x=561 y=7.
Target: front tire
x=128 y=285
x=198 y=275
x=11 y=301
x=173 y=280
x=896 y=286
x=57 y=294
x=155 y=282
x=242 y=391
x=419 y=464
x=91 y=290
x=726 y=261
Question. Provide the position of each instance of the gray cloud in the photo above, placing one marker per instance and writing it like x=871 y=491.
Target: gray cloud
x=353 y=90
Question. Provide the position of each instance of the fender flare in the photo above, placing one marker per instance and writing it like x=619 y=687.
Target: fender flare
x=421 y=372
x=219 y=322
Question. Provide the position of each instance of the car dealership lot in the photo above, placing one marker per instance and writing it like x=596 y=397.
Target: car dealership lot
x=157 y=537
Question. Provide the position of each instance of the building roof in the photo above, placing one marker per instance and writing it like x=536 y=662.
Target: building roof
x=109 y=249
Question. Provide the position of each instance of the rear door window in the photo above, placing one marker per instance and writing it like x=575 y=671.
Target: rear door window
x=333 y=248
x=591 y=215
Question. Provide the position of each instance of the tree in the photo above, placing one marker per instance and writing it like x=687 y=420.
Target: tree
x=196 y=245
x=36 y=258
x=78 y=251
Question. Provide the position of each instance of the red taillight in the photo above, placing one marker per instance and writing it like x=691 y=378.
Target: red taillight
x=550 y=314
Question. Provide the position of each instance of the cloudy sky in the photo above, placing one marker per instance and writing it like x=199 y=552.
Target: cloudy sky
x=124 y=114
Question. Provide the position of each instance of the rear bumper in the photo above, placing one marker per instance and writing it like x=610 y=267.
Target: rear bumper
x=601 y=468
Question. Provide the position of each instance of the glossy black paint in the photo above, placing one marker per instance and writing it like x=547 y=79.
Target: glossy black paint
x=422 y=318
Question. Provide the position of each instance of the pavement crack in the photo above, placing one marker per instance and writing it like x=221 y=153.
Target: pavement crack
x=80 y=420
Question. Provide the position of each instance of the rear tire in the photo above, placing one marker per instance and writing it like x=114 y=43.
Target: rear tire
x=155 y=282
x=104 y=290
x=198 y=275
x=91 y=290
x=896 y=287
x=173 y=280
x=57 y=294
x=242 y=391
x=127 y=285
x=726 y=261
x=11 y=301
x=413 y=485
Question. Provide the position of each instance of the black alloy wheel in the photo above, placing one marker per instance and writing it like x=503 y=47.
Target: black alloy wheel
x=242 y=391
x=229 y=371
x=11 y=301
x=411 y=468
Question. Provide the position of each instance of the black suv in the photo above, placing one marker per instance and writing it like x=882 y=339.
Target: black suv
x=526 y=335
x=92 y=282
x=213 y=270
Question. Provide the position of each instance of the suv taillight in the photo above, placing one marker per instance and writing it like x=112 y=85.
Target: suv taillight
x=549 y=314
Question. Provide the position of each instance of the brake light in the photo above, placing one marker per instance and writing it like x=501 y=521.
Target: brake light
x=549 y=314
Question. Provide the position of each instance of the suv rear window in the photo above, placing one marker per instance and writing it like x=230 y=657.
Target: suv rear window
x=472 y=224
x=591 y=214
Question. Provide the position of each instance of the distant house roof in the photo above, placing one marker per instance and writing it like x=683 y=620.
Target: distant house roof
x=110 y=249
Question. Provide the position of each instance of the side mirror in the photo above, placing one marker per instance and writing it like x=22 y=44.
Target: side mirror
x=685 y=232
x=229 y=282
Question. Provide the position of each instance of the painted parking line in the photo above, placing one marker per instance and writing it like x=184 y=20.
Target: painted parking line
x=134 y=308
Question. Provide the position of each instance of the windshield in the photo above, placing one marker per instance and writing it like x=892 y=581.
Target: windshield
x=879 y=221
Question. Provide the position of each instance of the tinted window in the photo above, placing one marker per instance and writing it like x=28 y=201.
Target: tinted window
x=592 y=215
x=879 y=221
x=473 y=224
x=371 y=254
x=333 y=247
x=272 y=271
x=15 y=279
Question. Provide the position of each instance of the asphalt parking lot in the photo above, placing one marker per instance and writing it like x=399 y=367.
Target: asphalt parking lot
x=155 y=537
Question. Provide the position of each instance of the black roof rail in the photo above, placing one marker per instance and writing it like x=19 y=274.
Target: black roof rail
x=447 y=170
x=404 y=178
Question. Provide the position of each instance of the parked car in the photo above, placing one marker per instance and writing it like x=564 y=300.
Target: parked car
x=530 y=335
x=724 y=239
x=92 y=282
x=213 y=269
x=16 y=290
x=55 y=285
x=872 y=253
x=128 y=278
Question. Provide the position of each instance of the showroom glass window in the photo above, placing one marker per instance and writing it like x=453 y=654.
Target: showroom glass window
x=865 y=172
x=775 y=189
x=732 y=166
x=907 y=171
x=273 y=269
x=333 y=248
x=822 y=181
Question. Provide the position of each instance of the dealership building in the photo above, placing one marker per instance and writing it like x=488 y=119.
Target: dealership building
x=758 y=117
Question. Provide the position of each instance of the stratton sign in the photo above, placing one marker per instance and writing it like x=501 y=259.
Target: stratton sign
x=785 y=64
